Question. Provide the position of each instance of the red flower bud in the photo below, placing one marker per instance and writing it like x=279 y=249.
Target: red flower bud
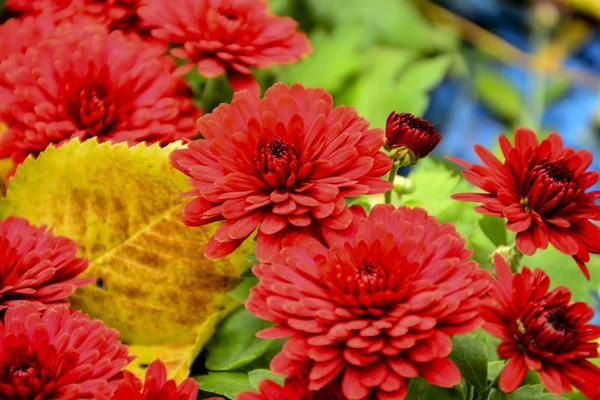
x=409 y=137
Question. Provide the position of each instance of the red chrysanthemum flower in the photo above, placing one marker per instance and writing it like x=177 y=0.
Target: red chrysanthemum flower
x=17 y=35
x=58 y=356
x=543 y=331
x=374 y=307
x=115 y=14
x=85 y=82
x=156 y=386
x=36 y=266
x=285 y=162
x=541 y=189
x=226 y=36
x=410 y=137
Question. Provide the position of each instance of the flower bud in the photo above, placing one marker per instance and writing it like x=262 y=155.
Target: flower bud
x=409 y=138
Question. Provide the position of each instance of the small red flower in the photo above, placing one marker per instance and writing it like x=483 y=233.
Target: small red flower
x=543 y=331
x=295 y=388
x=410 y=137
x=373 y=308
x=58 y=355
x=156 y=386
x=84 y=82
x=284 y=163
x=226 y=36
x=541 y=189
x=36 y=266
x=17 y=35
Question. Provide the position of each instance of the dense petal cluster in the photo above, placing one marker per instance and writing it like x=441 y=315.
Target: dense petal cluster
x=284 y=163
x=36 y=266
x=541 y=189
x=156 y=386
x=543 y=331
x=410 y=137
x=226 y=36
x=375 y=306
x=17 y=35
x=82 y=82
x=60 y=355
x=115 y=14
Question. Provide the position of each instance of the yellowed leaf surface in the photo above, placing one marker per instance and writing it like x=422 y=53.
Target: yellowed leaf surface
x=121 y=204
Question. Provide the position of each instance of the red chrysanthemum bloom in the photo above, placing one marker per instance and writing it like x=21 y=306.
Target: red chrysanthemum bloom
x=58 y=355
x=543 y=331
x=374 y=307
x=36 y=266
x=285 y=162
x=410 y=137
x=115 y=14
x=226 y=36
x=85 y=82
x=541 y=189
x=17 y=35
x=156 y=386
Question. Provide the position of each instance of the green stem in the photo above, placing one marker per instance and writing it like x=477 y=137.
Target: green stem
x=494 y=384
x=208 y=91
x=391 y=178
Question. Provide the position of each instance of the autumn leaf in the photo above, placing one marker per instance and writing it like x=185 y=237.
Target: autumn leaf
x=122 y=205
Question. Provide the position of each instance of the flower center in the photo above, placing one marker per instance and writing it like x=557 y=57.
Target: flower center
x=557 y=320
x=368 y=272
x=90 y=101
x=412 y=122
x=557 y=172
x=277 y=162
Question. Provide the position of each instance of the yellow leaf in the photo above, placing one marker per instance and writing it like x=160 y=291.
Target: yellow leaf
x=121 y=204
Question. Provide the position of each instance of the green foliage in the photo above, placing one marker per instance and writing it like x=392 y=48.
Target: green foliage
x=235 y=343
x=469 y=353
x=335 y=57
x=495 y=229
x=258 y=375
x=226 y=384
x=532 y=392
x=494 y=368
x=242 y=291
x=498 y=94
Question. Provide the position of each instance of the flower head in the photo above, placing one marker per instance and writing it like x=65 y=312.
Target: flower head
x=36 y=266
x=284 y=163
x=226 y=36
x=156 y=386
x=409 y=137
x=58 y=355
x=542 y=190
x=83 y=81
x=375 y=306
x=543 y=331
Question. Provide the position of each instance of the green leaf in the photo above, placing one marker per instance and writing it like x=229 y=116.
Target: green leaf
x=335 y=57
x=416 y=388
x=242 y=291
x=420 y=389
x=494 y=369
x=235 y=343
x=495 y=229
x=395 y=22
x=497 y=394
x=532 y=392
x=226 y=384
x=469 y=353
x=434 y=183
x=498 y=94
x=424 y=75
x=122 y=206
x=258 y=375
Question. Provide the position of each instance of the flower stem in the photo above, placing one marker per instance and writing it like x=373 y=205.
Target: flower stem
x=208 y=91
x=391 y=178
